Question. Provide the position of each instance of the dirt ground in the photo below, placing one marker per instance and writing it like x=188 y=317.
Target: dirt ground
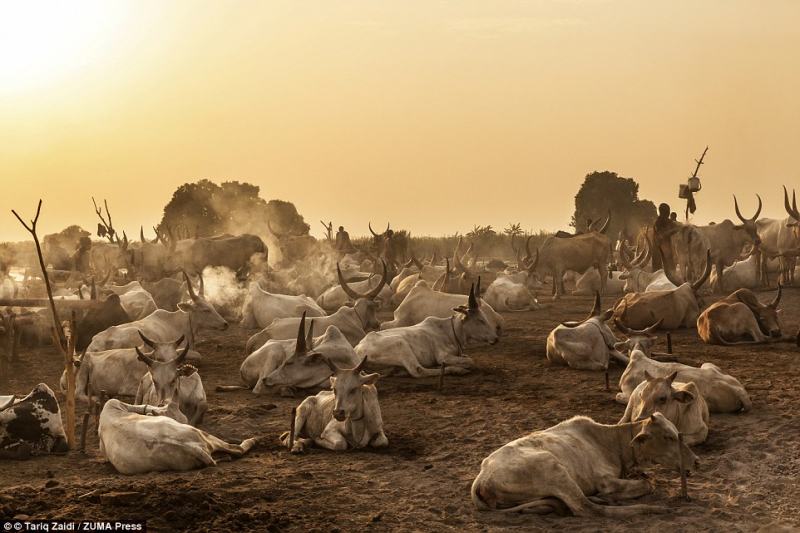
x=749 y=477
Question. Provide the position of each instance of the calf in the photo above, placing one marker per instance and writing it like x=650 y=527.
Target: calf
x=504 y=294
x=585 y=345
x=173 y=382
x=421 y=350
x=681 y=403
x=558 y=468
x=31 y=425
x=137 y=439
x=741 y=319
x=722 y=393
x=347 y=416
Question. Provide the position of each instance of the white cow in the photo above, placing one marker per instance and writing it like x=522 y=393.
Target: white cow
x=347 y=416
x=161 y=325
x=337 y=296
x=423 y=302
x=588 y=283
x=585 y=345
x=504 y=294
x=135 y=300
x=420 y=350
x=174 y=382
x=262 y=307
x=681 y=403
x=559 y=468
x=638 y=280
x=723 y=393
x=744 y=274
x=137 y=439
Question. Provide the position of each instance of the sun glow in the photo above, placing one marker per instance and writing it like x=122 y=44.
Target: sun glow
x=42 y=41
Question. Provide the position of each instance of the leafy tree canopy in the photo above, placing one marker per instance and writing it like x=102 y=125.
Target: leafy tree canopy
x=604 y=192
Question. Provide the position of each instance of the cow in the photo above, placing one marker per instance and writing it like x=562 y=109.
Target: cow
x=577 y=253
x=353 y=322
x=585 y=345
x=422 y=349
x=678 y=308
x=173 y=382
x=377 y=289
x=589 y=282
x=504 y=294
x=261 y=307
x=780 y=238
x=635 y=275
x=31 y=425
x=741 y=319
x=137 y=439
x=135 y=300
x=233 y=252
x=347 y=416
x=167 y=292
x=744 y=274
x=681 y=403
x=559 y=468
x=423 y=302
x=192 y=316
x=723 y=393
x=637 y=339
x=108 y=314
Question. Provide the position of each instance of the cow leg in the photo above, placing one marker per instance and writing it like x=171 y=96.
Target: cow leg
x=331 y=438
x=623 y=489
x=411 y=365
x=457 y=361
x=379 y=440
x=603 y=270
x=218 y=445
x=300 y=417
x=720 y=285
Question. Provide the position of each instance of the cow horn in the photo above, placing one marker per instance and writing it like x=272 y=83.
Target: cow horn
x=417 y=262
x=604 y=227
x=622 y=327
x=345 y=287
x=792 y=212
x=534 y=263
x=373 y=231
x=596 y=308
x=776 y=301
x=144 y=358
x=310 y=335
x=189 y=287
x=624 y=256
x=147 y=341
x=202 y=288
x=371 y=295
x=478 y=289
x=141 y=234
x=670 y=275
x=528 y=254
x=473 y=302
x=180 y=340
x=182 y=356
x=641 y=258
x=739 y=213
x=706 y=272
x=300 y=347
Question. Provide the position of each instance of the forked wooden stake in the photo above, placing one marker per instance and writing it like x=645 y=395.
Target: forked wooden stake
x=684 y=488
x=441 y=377
x=608 y=387
x=291 y=429
x=669 y=342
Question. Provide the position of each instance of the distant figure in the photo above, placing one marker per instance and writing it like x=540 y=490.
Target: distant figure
x=664 y=228
x=673 y=216
x=343 y=244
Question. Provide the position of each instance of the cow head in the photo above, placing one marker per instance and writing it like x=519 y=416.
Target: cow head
x=767 y=316
x=633 y=268
x=658 y=395
x=599 y=318
x=203 y=313
x=658 y=442
x=642 y=339
x=749 y=224
x=794 y=223
x=476 y=322
x=364 y=304
x=348 y=391
x=166 y=374
x=303 y=369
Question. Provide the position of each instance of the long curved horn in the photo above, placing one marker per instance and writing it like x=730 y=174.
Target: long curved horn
x=528 y=249
x=141 y=235
x=473 y=302
x=371 y=295
x=774 y=303
x=706 y=272
x=640 y=258
x=513 y=248
x=202 y=288
x=147 y=341
x=624 y=257
x=417 y=262
x=189 y=287
x=739 y=213
x=791 y=211
x=597 y=307
x=622 y=327
x=534 y=263
x=604 y=227
x=371 y=230
x=310 y=335
x=143 y=358
x=670 y=275
x=300 y=347
x=345 y=287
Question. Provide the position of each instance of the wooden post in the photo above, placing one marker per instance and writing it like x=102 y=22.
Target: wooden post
x=684 y=488
x=608 y=387
x=292 y=428
x=441 y=377
x=669 y=342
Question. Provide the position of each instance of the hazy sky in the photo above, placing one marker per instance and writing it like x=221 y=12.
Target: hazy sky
x=432 y=114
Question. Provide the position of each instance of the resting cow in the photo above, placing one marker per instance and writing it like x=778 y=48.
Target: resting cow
x=31 y=425
x=741 y=319
x=585 y=345
x=262 y=307
x=681 y=403
x=138 y=438
x=347 y=416
x=722 y=393
x=420 y=350
x=557 y=469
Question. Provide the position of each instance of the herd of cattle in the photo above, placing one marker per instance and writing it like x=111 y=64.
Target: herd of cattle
x=138 y=344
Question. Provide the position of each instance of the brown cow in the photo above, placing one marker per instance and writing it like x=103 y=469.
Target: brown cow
x=741 y=319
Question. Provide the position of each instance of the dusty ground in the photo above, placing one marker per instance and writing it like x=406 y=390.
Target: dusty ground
x=750 y=474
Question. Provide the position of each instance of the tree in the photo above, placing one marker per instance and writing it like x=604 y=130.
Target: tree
x=605 y=192
x=205 y=208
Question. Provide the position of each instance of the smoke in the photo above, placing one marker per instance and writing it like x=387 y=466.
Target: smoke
x=224 y=292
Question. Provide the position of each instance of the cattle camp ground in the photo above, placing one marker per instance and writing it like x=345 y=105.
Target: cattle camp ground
x=748 y=476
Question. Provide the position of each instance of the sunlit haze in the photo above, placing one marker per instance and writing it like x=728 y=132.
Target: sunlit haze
x=433 y=115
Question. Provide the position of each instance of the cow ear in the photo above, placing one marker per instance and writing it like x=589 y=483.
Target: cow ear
x=647 y=376
x=672 y=377
x=186 y=306
x=460 y=309
x=641 y=438
x=369 y=379
x=683 y=396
